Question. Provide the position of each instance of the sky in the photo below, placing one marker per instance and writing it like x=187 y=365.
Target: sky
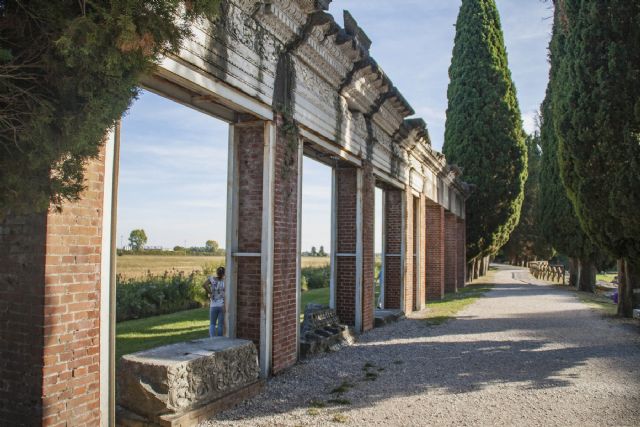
x=173 y=161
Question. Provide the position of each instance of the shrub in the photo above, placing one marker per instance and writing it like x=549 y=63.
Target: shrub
x=316 y=277
x=152 y=295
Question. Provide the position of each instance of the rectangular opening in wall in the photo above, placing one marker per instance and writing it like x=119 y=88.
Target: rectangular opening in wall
x=315 y=242
x=379 y=249
x=171 y=222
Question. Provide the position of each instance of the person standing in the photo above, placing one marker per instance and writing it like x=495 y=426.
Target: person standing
x=214 y=286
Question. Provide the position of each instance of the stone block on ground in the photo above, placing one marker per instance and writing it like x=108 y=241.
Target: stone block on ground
x=384 y=317
x=322 y=331
x=177 y=379
x=636 y=313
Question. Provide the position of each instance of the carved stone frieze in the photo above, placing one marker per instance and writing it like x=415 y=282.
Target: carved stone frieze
x=179 y=377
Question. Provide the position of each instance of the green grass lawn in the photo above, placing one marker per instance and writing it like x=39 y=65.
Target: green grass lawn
x=439 y=312
x=142 y=334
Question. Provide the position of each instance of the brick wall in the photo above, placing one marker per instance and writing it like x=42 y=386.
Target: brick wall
x=434 y=219
x=409 y=233
x=22 y=255
x=393 y=247
x=368 y=249
x=422 y=282
x=450 y=253
x=285 y=315
x=461 y=251
x=50 y=328
x=346 y=189
x=250 y=159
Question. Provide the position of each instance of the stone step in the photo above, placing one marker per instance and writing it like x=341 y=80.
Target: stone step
x=384 y=317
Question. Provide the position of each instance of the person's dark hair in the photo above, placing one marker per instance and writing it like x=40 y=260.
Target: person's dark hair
x=220 y=271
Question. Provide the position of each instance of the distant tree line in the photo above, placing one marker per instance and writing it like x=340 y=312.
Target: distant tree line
x=316 y=252
x=138 y=240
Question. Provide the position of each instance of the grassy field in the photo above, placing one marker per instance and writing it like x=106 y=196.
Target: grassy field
x=142 y=334
x=139 y=265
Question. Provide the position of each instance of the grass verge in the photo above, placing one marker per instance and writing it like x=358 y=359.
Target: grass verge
x=598 y=302
x=142 y=334
x=438 y=312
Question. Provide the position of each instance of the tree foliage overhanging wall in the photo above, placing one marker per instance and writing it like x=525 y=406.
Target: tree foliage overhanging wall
x=69 y=70
x=484 y=129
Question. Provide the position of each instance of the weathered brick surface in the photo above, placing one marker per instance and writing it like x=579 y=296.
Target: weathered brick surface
x=368 y=246
x=346 y=189
x=285 y=315
x=461 y=252
x=434 y=218
x=393 y=247
x=420 y=296
x=50 y=336
x=450 y=253
x=409 y=232
x=250 y=159
x=22 y=258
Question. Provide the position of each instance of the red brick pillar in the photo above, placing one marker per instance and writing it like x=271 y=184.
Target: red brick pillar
x=49 y=312
x=247 y=265
x=461 y=251
x=450 y=253
x=267 y=162
x=285 y=250
x=368 y=246
x=409 y=261
x=393 y=247
x=420 y=294
x=434 y=219
x=346 y=183
x=355 y=200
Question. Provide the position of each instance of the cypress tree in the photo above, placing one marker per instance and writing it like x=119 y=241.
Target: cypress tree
x=526 y=242
x=596 y=109
x=556 y=216
x=483 y=131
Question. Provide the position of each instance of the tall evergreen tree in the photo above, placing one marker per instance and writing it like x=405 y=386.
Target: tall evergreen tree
x=556 y=216
x=596 y=108
x=527 y=242
x=484 y=129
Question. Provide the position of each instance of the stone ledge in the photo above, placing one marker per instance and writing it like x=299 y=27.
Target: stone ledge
x=167 y=385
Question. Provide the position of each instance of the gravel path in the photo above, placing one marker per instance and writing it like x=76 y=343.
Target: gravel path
x=526 y=354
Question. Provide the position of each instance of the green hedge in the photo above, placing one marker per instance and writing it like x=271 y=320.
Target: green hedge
x=315 y=277
x=152 y=295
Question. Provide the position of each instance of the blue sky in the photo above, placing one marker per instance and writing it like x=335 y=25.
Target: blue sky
x=174 y=160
